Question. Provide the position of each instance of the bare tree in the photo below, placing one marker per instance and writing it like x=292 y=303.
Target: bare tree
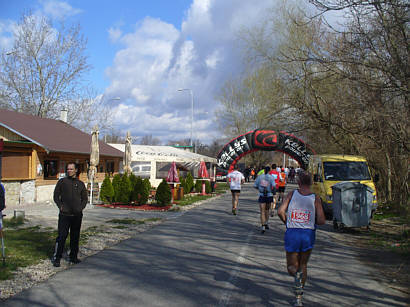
x=351 y=85
x=148 y=139
x=43 y=72
x=113 y=135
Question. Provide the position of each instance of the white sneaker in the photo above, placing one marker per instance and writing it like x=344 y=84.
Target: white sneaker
x=298 y=302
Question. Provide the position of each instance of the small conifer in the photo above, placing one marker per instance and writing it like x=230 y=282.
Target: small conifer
x=140 y=192
x=116 y=181
x=107 y=190
x=163 y=194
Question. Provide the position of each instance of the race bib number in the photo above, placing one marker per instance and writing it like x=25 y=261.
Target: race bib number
x=300 y=216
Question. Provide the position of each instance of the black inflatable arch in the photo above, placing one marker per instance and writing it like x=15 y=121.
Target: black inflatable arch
x=267 y=140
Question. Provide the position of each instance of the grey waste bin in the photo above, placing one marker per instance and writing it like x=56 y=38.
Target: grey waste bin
x=352 y=204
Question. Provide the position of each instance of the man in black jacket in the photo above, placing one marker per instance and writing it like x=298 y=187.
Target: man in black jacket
x=70 y=195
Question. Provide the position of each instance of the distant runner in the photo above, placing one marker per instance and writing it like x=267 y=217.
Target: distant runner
x=265 y=184
x=235 y=179
x=274 y=173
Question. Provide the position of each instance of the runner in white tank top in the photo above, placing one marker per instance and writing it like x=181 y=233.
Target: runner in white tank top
x=300 y=211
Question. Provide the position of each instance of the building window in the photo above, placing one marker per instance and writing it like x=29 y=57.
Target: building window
x=109 y=167
x=50 y=168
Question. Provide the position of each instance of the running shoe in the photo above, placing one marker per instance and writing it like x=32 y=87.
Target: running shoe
x=266 y=226
x=234 y=211
x=263 y=229
x=298 y=280
x=298 y=301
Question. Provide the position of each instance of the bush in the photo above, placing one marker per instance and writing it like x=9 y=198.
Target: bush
x=183 y=185
x=107 y=190
x=133 y=180
x=125 y=190
x=140 y=192
x=198 y=186
x=208 y=189
x=147 y=184
x=116 y=182
x=189 y=183
x=163 y=194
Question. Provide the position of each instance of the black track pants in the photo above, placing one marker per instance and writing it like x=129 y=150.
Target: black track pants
x=72 y=224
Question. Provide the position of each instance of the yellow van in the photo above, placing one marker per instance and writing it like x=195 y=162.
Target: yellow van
x=330 y=169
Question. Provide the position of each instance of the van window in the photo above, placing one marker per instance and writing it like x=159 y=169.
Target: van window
x=346 y=171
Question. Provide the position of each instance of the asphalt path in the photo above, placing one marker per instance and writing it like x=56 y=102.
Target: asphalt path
x=208 y=257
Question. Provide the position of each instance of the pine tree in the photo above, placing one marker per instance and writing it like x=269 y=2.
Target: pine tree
x=189 y=183
x=125 y=189
x=147 y=184
x=140 y=192
x=198 y=186
x=107 y=190
x=163 y=194
x=133 y=181
x=183 y=185
x=116 y=181
x=208 y=189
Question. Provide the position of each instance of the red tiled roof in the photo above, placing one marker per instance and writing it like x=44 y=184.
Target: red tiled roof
x=52 y=135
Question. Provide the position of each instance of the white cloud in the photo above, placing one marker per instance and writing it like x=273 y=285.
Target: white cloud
x=7 y=28
x=114 y=34
x=157 y=59
x=59 y=9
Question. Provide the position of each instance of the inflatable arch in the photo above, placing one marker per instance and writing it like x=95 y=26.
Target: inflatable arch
x=267 y=140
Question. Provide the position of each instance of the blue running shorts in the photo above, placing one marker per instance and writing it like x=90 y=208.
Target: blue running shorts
x=299 y=240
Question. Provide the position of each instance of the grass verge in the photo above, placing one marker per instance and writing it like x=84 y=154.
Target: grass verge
x=25 y=246
x=188 y=200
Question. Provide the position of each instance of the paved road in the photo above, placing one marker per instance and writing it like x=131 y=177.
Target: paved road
x=208 y=257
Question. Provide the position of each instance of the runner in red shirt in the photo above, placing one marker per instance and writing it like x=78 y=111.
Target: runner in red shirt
x=282 y=184
x=275 y=175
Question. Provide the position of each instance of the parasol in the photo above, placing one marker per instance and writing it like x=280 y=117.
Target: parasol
x=172 y=178
x=127 y=154
x=203 y=173
x=94 y=159
x=173 y=174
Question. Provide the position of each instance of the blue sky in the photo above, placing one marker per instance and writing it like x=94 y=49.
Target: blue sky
x=143 y=51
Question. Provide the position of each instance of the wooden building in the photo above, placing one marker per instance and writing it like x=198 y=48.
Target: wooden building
x=36 y=152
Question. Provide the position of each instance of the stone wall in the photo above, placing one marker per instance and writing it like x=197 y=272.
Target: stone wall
x=19 y=192
x=45 y=193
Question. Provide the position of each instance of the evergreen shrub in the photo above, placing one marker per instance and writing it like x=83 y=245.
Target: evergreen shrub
x=116 y=181
x=147 y=184
x=198 y=186
x=125 y=189
x=208 y=189
x=107 y=190
x=189 y=183
x=163 y=194
x=140 y=192
x=183 y=184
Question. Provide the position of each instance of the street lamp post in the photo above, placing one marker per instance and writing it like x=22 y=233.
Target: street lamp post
x=192 y=109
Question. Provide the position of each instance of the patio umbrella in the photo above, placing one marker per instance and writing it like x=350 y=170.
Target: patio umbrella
x=172 y=173
x=172 y=178
x=203 y=173
x=94 y=159
x=127 y=154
